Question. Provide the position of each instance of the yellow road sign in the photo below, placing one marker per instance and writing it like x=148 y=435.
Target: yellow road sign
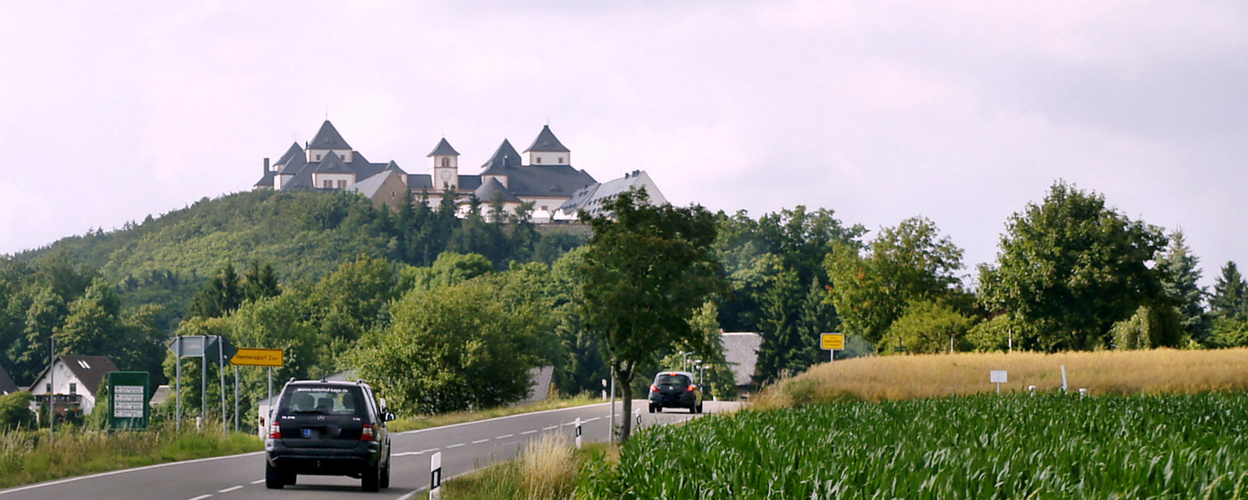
x=258 y=357
x=832 y=341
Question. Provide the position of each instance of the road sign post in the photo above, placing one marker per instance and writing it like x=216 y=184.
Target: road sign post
x=578 y=432
x=832 y=342
x=271 y=358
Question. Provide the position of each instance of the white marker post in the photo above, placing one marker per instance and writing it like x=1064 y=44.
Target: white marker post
x=1064 y=390
x=578 y=432
x=999 y=377
x=637 y=413
x=435 y=476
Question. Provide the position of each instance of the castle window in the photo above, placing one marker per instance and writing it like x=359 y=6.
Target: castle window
x=539 y=159
x=342 y=184
x=560 y=159
x=318 y=157
x=446 y=162
x=328 y=184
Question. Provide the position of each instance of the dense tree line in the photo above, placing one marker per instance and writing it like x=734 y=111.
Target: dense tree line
x=423 y=295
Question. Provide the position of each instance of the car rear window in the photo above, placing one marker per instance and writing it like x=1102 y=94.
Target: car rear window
x=672 y=379
x=323 y=400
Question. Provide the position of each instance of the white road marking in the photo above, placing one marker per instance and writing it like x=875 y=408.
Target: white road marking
x=479 y=441
x=505 y=436
x=201 y=497
x=232 y=488
x=528 y=432
x=590 y=419
x=258 y=481
x=456 y=445
x=126 y=471
x=550 y=428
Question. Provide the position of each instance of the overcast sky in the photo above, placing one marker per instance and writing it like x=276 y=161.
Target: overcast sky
x=962 y=112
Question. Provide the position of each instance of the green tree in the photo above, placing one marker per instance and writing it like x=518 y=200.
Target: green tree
x=1179 y=276
x=905 y=264
x=646 y=271
x=781 y=352
x=93 y=326
x=1152 y=326
x=927 y=327
x=1230 y=294
x=450 y=268
x=450 y=349
x=1072 y=267
x=355 y=296
x=15 y=411
x=260 y=282
x=222 y=295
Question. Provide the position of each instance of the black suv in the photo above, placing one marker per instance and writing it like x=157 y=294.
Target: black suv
x=675 y=390
x=328 y=429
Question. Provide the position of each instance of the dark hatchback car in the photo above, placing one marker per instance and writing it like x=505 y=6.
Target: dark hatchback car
x=328 y=428
x=675 y=390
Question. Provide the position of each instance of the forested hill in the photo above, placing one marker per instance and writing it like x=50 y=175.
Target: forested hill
x=305 y=235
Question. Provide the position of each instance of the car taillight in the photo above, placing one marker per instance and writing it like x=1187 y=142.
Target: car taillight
x=654 y=388
x=692 y=388
x=367 y=435
x=275 y=431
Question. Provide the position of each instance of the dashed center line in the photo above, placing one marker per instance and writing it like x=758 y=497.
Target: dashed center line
x=528 y=432
x=505 y=436
x=232 y=488
x=456 y=445
x=258 y=481
x=202 y=497
x=550 y=428
x=479 y=441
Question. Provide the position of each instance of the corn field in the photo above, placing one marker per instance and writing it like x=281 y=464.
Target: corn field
x=981 y=446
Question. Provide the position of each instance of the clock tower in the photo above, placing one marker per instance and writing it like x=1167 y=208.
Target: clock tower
x=445 y=167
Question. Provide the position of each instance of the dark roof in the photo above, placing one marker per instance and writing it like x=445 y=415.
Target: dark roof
x=546 y=142
x=395 y=167
x=266 y=181
x=328 y=138
x=90 y=370
x=504 y=156
x=443 y=148
x=547 y=180
x=6 y=382
x=491 y=188
x=332 y=164
x=294 y=151
x=294 y=164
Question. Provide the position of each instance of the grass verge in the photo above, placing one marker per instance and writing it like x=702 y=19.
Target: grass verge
x=548 y=469
x=878 y=378
x=459 y=417
x=28 y=457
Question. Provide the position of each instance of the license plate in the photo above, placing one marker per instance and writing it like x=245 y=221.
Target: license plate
x=307 y=433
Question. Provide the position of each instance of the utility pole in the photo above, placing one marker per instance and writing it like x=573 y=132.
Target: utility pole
x=52 y=390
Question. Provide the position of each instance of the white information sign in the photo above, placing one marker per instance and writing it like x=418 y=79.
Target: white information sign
x=128 y=401
x=999 y=377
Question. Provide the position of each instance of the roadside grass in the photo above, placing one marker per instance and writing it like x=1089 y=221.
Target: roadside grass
x=404 y=424
x=548 y=468
x=878 y=378
x=28 y=457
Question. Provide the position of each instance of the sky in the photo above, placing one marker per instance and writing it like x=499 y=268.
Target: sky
x=961 y=112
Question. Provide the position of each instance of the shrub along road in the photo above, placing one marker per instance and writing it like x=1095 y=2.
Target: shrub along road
x=463 y=446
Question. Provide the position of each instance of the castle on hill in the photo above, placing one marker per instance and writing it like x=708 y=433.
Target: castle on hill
x=543 y=176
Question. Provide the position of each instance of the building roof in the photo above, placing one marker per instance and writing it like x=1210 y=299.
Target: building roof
x=395 y=167
x=590 y=198
x=491 y=188
x=7 y=386
x=443 y=149
x=290 y=154
x=332 y=164
x=546 y=142
x=504 y=156
x=266 y=180
x=328 y=138
x=90 y=370
x=741 y=352
x=369 y=187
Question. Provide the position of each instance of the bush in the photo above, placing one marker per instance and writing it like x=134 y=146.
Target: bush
x=15 y=411
x=926 y=328
x=1150 y=327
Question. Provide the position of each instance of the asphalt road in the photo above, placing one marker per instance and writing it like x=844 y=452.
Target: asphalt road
x=464 y=447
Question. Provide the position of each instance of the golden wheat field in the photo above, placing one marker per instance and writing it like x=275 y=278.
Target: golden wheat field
x=1104 y=372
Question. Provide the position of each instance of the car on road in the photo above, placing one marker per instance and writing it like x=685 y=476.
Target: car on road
x=328 y=428
x=674 y=389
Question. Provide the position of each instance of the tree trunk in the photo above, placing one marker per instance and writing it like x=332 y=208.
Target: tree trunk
x=625 y=382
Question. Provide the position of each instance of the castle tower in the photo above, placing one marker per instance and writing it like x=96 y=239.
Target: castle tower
x=547 y=150
x=445 y=166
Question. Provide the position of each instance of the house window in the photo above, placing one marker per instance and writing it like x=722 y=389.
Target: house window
x=560 y=159
x=47 y=388
x=544 y=209
x=318 y=157
x=328 y=184
x=539 y=159
x=342 y=184
x=73 y=388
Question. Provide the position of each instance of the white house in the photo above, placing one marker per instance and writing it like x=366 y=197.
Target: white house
x=73 y=382
x=6 y=382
